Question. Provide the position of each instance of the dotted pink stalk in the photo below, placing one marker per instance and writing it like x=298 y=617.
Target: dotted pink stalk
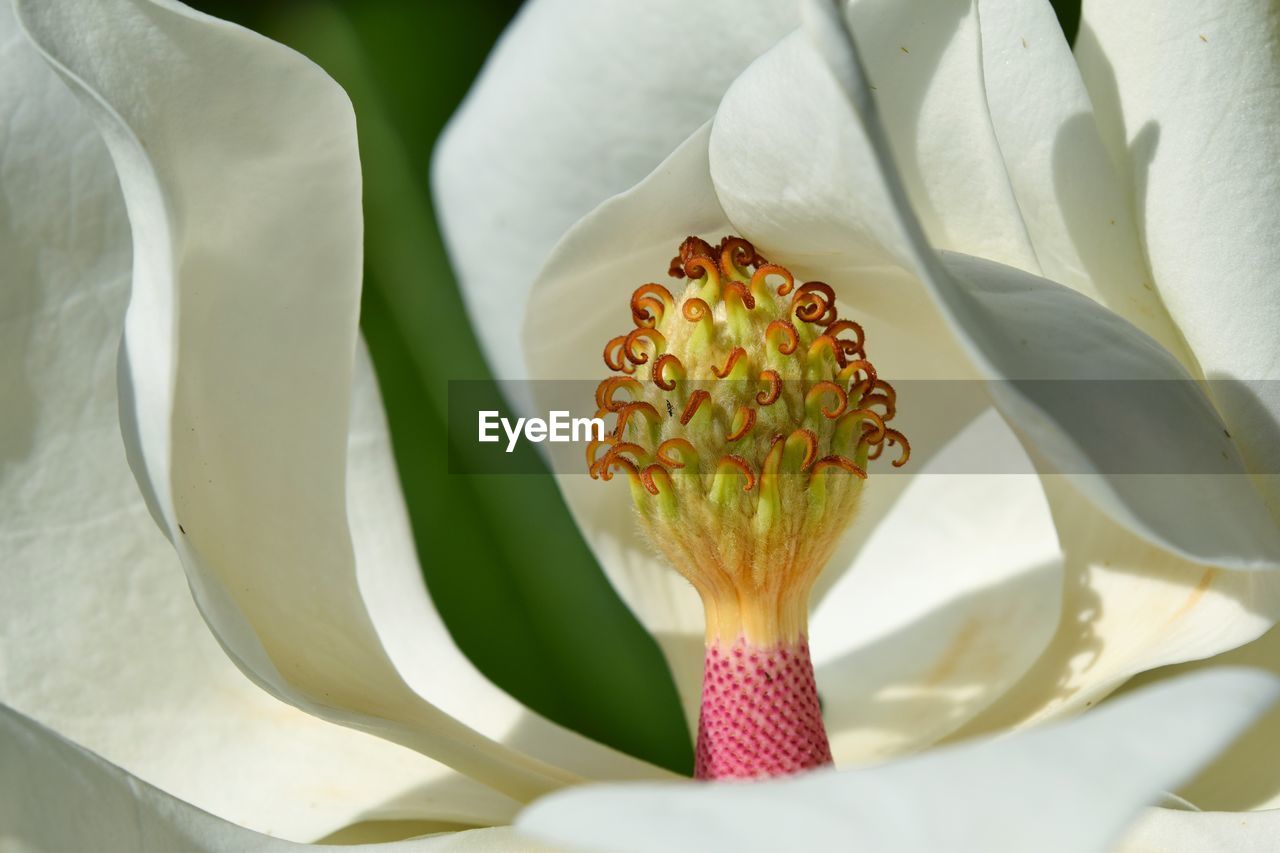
x=760 y=714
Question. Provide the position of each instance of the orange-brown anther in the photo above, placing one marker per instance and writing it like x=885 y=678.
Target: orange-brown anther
x=748 y=374
x=685 y=447
x=895 y=437
x=838 y=461
x=759 y=280
x=660 y=375
x=783 y=335
x=650 y=303
x=742 y=465
x=696 y=399
x=770 y=395
x=743 y=421
x=722 y=373
x=815 y=302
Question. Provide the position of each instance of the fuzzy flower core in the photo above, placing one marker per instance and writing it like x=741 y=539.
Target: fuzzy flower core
x=745 y=412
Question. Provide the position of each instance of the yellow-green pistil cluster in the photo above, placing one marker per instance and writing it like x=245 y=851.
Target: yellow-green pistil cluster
x=745 y=414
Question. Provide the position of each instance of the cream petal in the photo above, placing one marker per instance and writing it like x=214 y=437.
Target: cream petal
x=239 y=346
x=55 y=795
x=950 y=601
x=1247 y=776
x=1070 y=787
x=1178 y=831
x=1188 y=95
x=1078 y=214
x=1128 y=607
x=104 y=644
x=578 y=102
x=834 y=199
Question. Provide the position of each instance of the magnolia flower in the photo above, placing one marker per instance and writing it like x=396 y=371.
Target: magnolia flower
x=197 y=187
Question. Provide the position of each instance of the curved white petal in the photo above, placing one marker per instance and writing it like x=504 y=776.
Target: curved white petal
x=1070 y=787
x=55 y=795
x=925 y=66
x=102 y=641
x=1128 y=606
x=1177 y=831
x=1191 y=96
x=1078 y=214
x=834 y=198
x=1246 y=777
x=578 y=102
x=239 y=168
x=950 y=601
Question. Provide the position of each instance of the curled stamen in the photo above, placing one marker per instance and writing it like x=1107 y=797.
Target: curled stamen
x=624 y=415
x=847 y=348
x=648 y=299
x=835 y=460
x=810 y=439
x=730 y=459
x=686 y=448
x=770 y=396
x=646 y=479
x=605 y=391
x=895 y=437
x=881 y=400
x=824 y=343
x=787 y=331
x=739 y=290
x=736 y=254
x=592 y=446
x=744 y=419
x=703 y=268
x=659 y=376
x=692 y=247
x=826 y=386
x=695 y=309
x=691 y=408
x=738 y=353
x=815 y=302
x=653 y=336
x=614 y=457
x=617 y=361
x=759 y=281
x=860 y=367
x=872 y=429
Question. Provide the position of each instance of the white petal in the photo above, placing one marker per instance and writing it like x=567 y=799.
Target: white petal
x=1078 y=213
x=924 y=63
x=1176 y=831
x=55 y=795
x=239 y=166
x=578 y=102
x=1128 y=607
x=1189 y=94
x=835 y=199
x=103 y=642
x=1247 y=776
x=951 y=600
x=1066 y=788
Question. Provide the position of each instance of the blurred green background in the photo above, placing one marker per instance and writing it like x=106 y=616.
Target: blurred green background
x=506 y=567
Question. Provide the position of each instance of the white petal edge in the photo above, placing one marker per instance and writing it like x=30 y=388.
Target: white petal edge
x=239 y=346
x=1077 y=211
x=1128 y=606
x=107 y=647
x=577 y=102
x=1070 y=787
x=844 y=206
x=55 y=795
x=1188 y=95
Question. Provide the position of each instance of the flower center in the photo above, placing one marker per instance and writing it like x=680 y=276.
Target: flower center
x=746 y=412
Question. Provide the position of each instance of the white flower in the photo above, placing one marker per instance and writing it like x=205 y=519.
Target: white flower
x=262 y=457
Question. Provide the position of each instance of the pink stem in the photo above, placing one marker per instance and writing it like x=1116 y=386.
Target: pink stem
x=760 y=714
